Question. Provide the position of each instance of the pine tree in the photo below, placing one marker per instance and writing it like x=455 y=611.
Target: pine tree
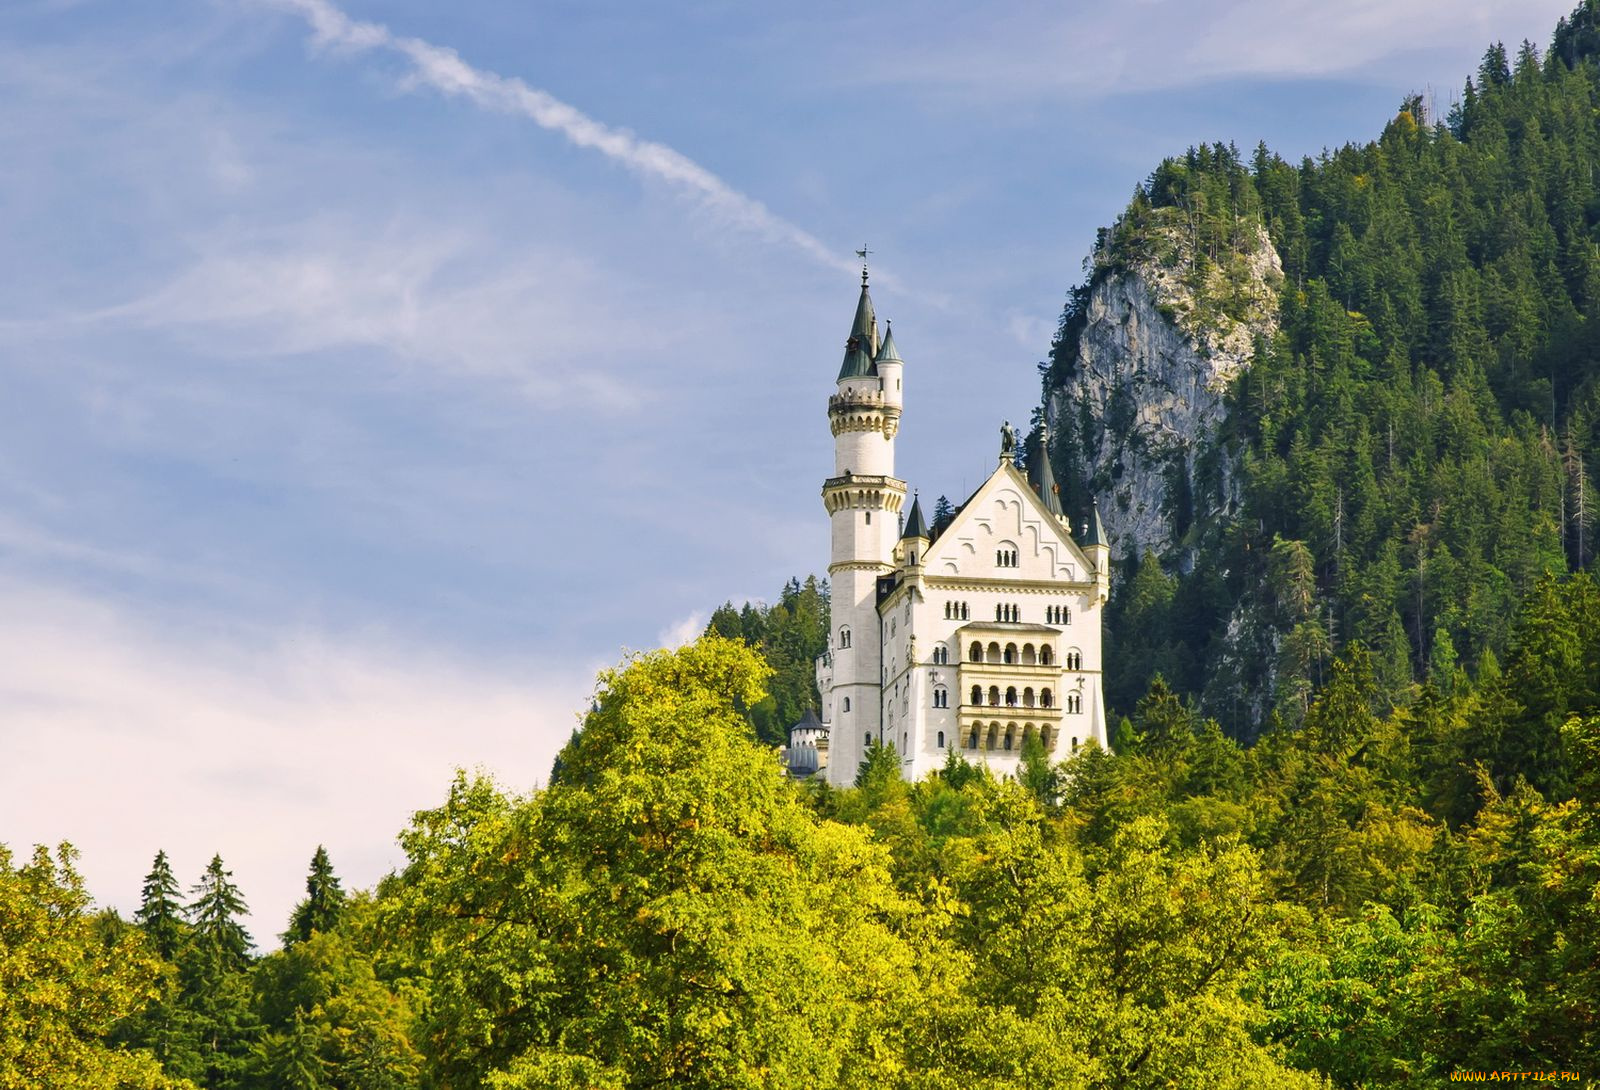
x=323 y=902
x=160 y=913
x=214 y=913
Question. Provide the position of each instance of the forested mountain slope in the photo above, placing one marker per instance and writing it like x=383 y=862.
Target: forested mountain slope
x=1409 y=441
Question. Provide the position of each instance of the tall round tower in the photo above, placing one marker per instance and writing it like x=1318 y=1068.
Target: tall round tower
x=863 y=498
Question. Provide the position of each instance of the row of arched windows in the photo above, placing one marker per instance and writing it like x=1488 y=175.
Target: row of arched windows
x=1005 y=558
x=1007 y=613
x=941 y=698
x=1011 y=698
x=1006 y=736
x=1074 y=660
x=1057 y=615
x=955 y=611
x=941 y=655
x=1011 y=655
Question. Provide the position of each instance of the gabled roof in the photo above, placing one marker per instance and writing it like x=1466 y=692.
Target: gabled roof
x=1051 y=528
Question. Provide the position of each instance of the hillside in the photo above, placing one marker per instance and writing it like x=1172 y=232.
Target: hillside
x=1393 y=416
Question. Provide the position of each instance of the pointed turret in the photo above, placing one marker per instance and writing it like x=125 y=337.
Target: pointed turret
x=1041 y=476
x=916 y=527
x=862 y=345
x=887 y=365
x=1093 y=532
x=914 y=538
x=1094 y=543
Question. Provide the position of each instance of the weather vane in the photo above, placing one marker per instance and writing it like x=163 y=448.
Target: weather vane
x=862 y=254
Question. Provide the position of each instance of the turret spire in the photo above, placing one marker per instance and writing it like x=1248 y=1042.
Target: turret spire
x=915 y=525
x=862 y=344
x=1041 y=476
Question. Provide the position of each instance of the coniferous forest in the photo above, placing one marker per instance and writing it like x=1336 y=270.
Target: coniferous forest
x=1348 y=833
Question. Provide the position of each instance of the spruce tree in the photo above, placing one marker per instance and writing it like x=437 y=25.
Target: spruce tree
x=323 y=902
x=160 y=913
x=215 y=913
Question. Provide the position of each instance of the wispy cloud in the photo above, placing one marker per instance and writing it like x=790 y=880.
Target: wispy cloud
x=443 y=70
x=1028 y=49
x=270 y=742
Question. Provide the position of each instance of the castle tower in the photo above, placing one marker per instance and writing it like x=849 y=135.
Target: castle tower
x=863 y=499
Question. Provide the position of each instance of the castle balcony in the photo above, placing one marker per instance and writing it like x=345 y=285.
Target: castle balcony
x=863 y=492
x=1002 y=731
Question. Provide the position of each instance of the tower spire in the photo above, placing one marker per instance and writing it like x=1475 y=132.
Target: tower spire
x=1041 y=476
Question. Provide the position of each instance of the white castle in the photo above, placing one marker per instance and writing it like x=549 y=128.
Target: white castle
x=972 y=636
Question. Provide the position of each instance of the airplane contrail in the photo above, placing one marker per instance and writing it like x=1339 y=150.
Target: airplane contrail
x=442 y=69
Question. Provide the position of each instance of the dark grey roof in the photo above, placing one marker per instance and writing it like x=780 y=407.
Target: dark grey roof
x=1093 y=532
x=915 y=526
x=808 y=721
x=863 y=342
x=887 y=353
x=1041 y=476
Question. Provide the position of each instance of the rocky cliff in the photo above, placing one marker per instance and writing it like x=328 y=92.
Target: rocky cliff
x=1143 y=370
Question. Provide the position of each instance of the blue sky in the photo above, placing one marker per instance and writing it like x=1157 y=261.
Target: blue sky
x=376 y=373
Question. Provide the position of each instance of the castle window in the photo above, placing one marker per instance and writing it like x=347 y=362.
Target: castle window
x=1011 y=697
x=1074 y=744
x=941 y=655
x=977 y=694
x=977 y=651
x=1046 y=656
x=1047 y=737
x=941 y=698
x=1010 y=653
x=994 y=736
x=1027 y=697
x=844 y=638
x=964 y=616
x=994 y=696
x=972 y=740
x=994 y=653
x=869 y=737
x=1074 y=704
x=1008 y=736
x=844 y=706
x=1045 y=700
x=1074 y=660
x=941 y=739
x=869 y=518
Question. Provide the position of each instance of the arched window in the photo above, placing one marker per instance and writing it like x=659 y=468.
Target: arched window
x=941 y=655
x=1045 y=700
x=1047 y=736
x=1010 y=653
x=941 y=739
x=977 y=694
x=964 y=616
x=993 y=739
x=845 y=706
x=1074 y=703
x=972 y=741
x=941 y=698
x=1027 y=697
x=844 y=636
x=1074 y=660
x=869 y=737
x=994 y=696
x=994 y=653
x=947 y=606
x=1074 y=743
x=1011 y=696
x=1009 y=731
x=999 y=613
x=1029 y=656
x=1046 y=656
x=977 y=651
